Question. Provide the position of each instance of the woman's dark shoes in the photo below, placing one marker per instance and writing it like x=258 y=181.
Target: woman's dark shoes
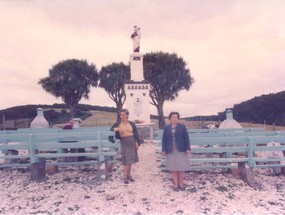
x=175 y=189
x=125 y=180
x=182 y=188
x=131 y=179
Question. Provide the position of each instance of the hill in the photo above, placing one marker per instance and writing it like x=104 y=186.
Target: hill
x=266 y=109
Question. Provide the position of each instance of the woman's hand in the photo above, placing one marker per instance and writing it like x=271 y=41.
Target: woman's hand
x=188 y=152
x=163 y=153
x=121 y=131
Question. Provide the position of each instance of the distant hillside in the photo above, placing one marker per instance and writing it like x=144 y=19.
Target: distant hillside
x=268 y=109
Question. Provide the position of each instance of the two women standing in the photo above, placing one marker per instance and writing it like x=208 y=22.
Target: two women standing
x=175 y=146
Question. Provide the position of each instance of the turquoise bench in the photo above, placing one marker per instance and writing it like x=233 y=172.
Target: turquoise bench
x=208 y=130
x=49 y=146
x=233 y=149
x=231 y=143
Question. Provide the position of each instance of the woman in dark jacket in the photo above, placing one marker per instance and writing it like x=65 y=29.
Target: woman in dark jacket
x=127 y=132
x=176 y=147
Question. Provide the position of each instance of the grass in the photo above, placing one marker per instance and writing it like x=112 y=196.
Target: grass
x=102 y=118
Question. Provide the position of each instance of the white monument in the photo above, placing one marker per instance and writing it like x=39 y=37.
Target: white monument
x=40 y=121
x=137 y=89
x=230 y=122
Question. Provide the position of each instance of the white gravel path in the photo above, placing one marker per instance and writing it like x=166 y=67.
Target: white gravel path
x=73 y=191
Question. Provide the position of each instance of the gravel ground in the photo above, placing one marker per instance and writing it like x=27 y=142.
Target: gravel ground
x=74 y=190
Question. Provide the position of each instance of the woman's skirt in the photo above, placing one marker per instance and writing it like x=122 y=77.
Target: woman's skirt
x=177 y=161
x=129 y=154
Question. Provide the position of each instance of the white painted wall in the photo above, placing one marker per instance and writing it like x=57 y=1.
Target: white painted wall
x=137 y=101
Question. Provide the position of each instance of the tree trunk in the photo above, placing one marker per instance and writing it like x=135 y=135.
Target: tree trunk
x=119 y=107
x=72 y=110
x=161 y=122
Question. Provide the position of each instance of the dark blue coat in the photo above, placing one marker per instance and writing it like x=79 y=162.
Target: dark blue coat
x=181 y=138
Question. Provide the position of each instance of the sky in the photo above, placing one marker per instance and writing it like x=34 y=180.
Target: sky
x=234 y=49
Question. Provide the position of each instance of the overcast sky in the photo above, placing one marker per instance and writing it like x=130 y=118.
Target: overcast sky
x=235 y=49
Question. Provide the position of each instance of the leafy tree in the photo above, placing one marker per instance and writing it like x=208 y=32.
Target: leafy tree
x=112 y=78
x=70 y=80
x=168 y=75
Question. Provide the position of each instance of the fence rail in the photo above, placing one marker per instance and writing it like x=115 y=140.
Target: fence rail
x=226 y=148
x=57 y=147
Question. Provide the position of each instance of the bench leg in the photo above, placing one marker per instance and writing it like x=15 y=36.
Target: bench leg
x=101 y=172
x=283 y=168
x=247 y=175
x=38 y=170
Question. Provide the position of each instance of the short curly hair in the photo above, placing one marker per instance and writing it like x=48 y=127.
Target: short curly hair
x=125 y=111
x=173 y=113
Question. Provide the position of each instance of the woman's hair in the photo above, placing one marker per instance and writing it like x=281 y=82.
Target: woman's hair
x=173 y=113
x=125 y=111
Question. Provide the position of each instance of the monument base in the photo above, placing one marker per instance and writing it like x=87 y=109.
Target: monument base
x=137 y=101
x=145 y=131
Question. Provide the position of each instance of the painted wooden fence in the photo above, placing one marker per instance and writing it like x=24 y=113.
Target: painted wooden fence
x=56 y=147
x=233 y=146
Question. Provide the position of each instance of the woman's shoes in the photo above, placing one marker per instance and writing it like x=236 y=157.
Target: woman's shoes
x=128 y=179
x=125 y=180
x=175 y=189
x=131 y=178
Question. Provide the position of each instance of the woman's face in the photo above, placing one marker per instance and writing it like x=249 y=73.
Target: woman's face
x=174 y=119
x=123 y=116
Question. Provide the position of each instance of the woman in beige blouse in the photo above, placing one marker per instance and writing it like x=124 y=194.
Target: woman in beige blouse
x=127 y=132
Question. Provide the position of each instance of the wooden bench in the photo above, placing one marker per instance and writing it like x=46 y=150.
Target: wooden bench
x=46 y=147
x=224 y=130
x=234 y=150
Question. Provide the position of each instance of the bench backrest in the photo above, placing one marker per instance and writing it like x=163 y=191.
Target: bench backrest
x=230 y=143
x=50 y=141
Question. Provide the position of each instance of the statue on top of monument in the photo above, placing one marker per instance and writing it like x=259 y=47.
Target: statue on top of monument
x=136 y=37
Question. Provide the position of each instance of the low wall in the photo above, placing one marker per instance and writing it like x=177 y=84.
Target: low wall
x=145 y=131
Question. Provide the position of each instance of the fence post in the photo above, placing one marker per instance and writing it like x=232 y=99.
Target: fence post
x=101 y=156
x=250 y=152
x=283 y=168
x=5 y=141
x=101 y=172
x=32 y=149
x=101 y=169
x=247 y=173
x=38 y=165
